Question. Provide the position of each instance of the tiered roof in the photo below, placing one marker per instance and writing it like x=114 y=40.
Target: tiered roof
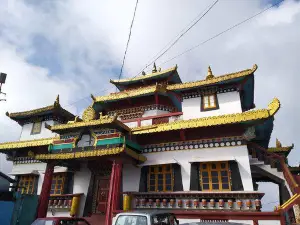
x=54 y=109
x=280 y=149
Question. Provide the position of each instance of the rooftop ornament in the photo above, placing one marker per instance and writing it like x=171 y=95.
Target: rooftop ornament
x=154 y=70
x=209 y=74
x=2 y=81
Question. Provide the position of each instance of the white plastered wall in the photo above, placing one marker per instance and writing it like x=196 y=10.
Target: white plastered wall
x=45 y=133
x=228 y=103
x=131 y=177
x=185 y=157
x=154 y=112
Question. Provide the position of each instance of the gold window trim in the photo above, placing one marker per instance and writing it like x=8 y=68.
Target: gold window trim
x=58 y=187
x=163 y=172
x=209 y=169
x=24 y=183
x=210 y=104
x=36 y=127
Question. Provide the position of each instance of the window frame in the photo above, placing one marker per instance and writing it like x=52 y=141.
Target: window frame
x=209 y=169
x=63 y=184
x=30 y=178
x=164 y=172
x=209 y=107
x=33 y=132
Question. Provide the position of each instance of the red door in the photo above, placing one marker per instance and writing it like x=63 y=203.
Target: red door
x=102 y=195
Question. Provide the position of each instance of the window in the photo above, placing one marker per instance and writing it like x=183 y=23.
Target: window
x=160 y=178
x=58 y=184
x=215 y=176
x=27 y=184
x=209 y=102
x=36 y=128
x=131 y=220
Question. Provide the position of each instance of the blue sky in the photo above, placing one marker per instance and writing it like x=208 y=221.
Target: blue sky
x=73 y=48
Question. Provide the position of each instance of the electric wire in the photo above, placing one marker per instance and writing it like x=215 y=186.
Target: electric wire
x=123 y=62
x=224 y=31
x=177 y=39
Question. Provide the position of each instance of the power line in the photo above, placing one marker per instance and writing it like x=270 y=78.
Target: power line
x=219 y=34
x=181 y=35
x=128 y=38
x=190 y=24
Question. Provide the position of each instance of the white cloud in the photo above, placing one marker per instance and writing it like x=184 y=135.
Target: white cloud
x=90 y=38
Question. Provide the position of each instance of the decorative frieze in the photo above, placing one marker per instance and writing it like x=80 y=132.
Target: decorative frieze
x=24 y=160
x=64 y=203
x=195 y=144
x=198 y=94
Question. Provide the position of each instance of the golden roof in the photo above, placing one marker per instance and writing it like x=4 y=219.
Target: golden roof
x=33 y=112
x=273 y=107
x=103 y=120
x=92 y=153
x=143 y=77
x=25 y=144
x=212 y=79
x=279 y=147
x=131 y=93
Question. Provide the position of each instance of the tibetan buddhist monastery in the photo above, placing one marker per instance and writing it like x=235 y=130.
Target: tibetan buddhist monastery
x=197 y=149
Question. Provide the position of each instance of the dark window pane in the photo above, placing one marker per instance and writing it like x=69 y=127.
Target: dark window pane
x=152 y=169
x=58 y=186
x=160 y=169
x=58 y=192
x=52 y=192
x=160 y=187
x=53 y=186
x=152 y=188
x=160 y=176
x=160 y=181
x=204 y=166
x=204 y=174
x=168 y=176
x=26 y=182
x=215 y=180
x=223 y=165
x=213 y=166
x=224 y=179
x=167 y=167
x=168 y=181
x=225 y=186
x=214 y=173
x=204 y=180
x=152 y=176
x=168 y=187
x=215 y=186
x=205 y=186
x=152 y=182
x=224 y=173
x=59 y=181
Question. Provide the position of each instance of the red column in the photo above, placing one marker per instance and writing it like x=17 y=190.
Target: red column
x=45 y=193
x=108 y=214
x=118 y=178
x=255 y=222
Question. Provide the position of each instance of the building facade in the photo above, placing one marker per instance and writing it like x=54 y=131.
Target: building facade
x=158 y=143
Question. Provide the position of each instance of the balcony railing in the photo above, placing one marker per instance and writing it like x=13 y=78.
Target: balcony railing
x=64 y=203
x=195 y=200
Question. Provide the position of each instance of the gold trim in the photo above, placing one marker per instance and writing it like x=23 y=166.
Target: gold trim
x=101 y=121
x=92 y=153
x=151 y=75
x=212 y=120
x=213 y=80
x=155 y=88
x=29 y=143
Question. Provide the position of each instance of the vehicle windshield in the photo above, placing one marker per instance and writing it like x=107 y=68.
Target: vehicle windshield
x=164 y=219
x=131 y=220
x=72 y=222
x=43 y=222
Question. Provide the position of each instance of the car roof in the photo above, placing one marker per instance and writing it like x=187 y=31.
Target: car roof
x=60 y=218
x=146 y=212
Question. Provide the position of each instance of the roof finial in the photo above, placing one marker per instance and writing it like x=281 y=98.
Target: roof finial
x=154 y=70
x=159 y=69
x=56 y=103
x=278 y=143
x=143 y=73
x=209 y=73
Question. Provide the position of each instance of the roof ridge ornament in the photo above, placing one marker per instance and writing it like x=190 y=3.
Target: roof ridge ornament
x=56 y=103
x=154 y=70
x=278 y=143
x=209 y=74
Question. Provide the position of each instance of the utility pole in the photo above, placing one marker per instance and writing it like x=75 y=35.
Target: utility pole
x=2 y=81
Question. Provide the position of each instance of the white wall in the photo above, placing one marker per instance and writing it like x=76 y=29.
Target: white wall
x=184 y=157
x=132 y=124
x=228 y=103
x=81 y=185
x=154 y=112
x=45 y=133
x=131 y=177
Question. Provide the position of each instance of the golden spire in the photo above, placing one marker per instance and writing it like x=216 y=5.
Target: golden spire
x=93 y=97
x=278 y=143
x=209 y=74
x=143 y=73
x=154 y=70
x=56 y=103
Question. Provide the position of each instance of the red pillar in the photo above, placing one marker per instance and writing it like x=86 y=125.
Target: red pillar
x=255 y=222
x=108 y=214
x=45 y=193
